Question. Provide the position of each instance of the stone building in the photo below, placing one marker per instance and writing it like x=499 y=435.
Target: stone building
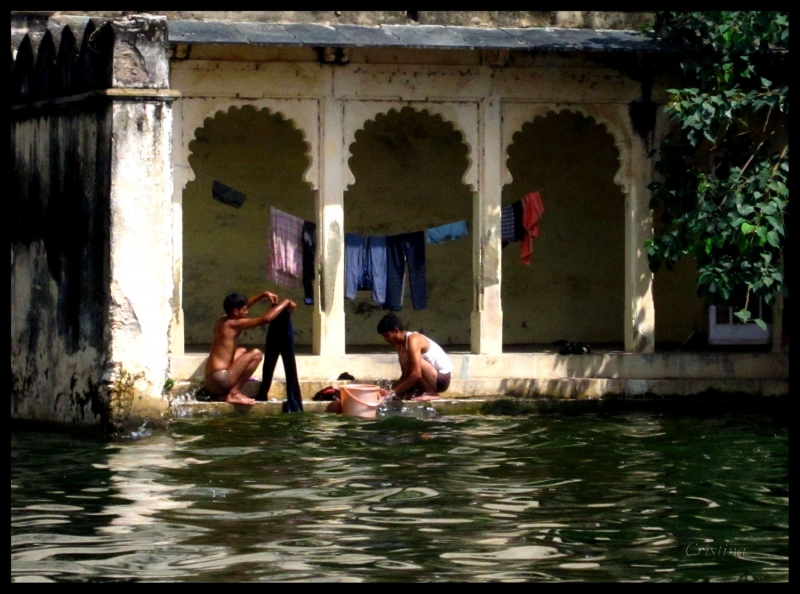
x=369 y=123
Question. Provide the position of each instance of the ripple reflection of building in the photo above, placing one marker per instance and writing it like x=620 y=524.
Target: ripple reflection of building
x=142 y=491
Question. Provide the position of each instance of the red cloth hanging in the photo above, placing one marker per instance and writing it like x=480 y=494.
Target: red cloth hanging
x=532 y=210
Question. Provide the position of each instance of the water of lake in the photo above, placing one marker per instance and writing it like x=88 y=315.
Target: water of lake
x=412 y=497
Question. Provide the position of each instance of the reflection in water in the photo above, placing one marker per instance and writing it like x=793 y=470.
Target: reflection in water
x=138 y=484
x=633 y=497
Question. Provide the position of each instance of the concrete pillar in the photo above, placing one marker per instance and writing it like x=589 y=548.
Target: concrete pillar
x=487 y=315
x=140 y=222
x=640 y=310
x=329 y=320
x=180 y=176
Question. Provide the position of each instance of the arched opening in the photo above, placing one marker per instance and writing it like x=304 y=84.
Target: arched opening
x=262 y=156
x=573 y=289
x=409 y=167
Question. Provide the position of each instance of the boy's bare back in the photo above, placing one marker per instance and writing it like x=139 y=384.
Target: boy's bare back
x=223 y=346
x=228 y=365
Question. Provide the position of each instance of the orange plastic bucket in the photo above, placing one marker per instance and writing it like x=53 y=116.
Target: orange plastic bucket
x=360 y=400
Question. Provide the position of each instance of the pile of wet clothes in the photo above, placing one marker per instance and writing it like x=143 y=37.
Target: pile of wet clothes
x=572 y=348
x=329 y=393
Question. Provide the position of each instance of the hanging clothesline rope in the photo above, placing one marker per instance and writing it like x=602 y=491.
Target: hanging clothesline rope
x=548 y=183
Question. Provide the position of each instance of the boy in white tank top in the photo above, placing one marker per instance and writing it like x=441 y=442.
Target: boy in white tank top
x=425 y=367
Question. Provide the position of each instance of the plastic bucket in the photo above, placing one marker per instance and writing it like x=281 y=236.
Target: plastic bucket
x=360 y=400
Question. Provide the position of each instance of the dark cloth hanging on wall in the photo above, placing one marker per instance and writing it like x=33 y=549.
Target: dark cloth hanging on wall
x=507 y=225
x=227 y=195
x=280 y=342
x=511 y=224
x=309 y=250
x=401 y=249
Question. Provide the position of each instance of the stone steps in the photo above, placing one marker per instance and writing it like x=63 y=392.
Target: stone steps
x=543 y=366
x=498 y=405
x=539 y=375
x=566 y=388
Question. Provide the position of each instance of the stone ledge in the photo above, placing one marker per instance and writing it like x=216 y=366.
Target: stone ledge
x=543 y=366
x=706 y=403
x=567 y=388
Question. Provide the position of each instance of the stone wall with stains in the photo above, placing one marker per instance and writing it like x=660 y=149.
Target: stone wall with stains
x=59 y=264
x=91 y=235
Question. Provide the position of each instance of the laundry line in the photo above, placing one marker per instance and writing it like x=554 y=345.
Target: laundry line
x=223 y=188
x=372 y=263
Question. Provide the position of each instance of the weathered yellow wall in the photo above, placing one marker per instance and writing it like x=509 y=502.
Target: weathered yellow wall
x=225 y=249
x=408 y=167
x=573 y=288
x=679 y=312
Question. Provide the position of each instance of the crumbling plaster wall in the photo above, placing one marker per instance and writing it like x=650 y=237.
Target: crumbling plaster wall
x=91 y=245
x=59 y=263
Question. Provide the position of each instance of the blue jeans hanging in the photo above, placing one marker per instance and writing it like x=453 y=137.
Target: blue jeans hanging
x=353 y=253
x=406 y=247
x=377 y=256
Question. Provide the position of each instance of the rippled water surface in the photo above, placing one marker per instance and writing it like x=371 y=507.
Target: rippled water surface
x=311 y=497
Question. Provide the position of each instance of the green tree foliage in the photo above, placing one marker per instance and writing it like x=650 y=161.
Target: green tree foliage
x=723 y=189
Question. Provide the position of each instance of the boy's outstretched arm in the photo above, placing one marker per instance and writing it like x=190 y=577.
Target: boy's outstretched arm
x=266 y=318
x=273 y=298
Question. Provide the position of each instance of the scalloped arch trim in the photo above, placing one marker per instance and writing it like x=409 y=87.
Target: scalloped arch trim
x=614 y=127
x=468 y=177
x=269 y=112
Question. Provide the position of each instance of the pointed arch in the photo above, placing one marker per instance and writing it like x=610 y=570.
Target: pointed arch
x=65 y=64
x=263 y=155
x=573 y=160
x=23 y=71
x=44 y=71
x=409 y=167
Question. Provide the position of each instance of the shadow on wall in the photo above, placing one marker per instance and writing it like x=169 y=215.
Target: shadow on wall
x=263 y=156
x=409 y=167
x=574 y=287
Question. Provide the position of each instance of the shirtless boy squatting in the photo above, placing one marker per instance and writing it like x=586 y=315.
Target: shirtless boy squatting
x=229 y=366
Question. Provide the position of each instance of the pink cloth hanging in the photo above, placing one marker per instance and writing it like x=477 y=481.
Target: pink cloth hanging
x=285 y=258
x=532 y=210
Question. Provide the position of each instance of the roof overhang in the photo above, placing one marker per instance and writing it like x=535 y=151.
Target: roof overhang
x=409 y=36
